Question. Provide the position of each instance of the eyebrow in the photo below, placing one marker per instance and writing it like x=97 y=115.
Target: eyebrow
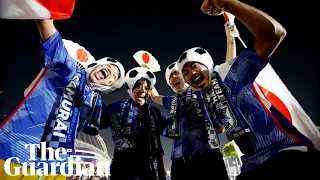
x=190 y=65
x=173 y=73
x=141 y=83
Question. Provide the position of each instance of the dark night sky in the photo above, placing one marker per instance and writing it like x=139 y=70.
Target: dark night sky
x=164 y=28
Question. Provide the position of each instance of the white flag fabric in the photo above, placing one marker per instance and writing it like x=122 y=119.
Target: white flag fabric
x=273 y=91
x=276 y=92
x=147 y=60
x=36 y=9
x=78 y=53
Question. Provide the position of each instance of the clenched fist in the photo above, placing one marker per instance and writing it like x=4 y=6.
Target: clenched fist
x=214 y=7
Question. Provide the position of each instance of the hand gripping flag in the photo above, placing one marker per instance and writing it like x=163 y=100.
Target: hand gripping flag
x=234 y=31
x=36 y=9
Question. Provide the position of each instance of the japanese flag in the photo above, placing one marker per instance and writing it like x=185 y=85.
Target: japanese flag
x=36 y=9
x=270 y=87
x=273 y=92
x=79 y=54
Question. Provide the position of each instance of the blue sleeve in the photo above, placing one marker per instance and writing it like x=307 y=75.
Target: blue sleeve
x=56 y=57
x=113 y=108
x=53 y=50
x=107 y=111
x=247 y=66
x=167 y=101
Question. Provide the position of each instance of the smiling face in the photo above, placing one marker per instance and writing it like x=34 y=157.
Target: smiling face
x=175 y=82
x=196 y=75
x=105 y=74
x=141 y=91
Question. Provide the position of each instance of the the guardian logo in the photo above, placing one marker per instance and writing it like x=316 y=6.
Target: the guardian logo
x=58 y=159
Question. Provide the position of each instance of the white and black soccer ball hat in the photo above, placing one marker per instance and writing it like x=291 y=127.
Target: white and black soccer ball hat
x=116 y=85
x=196 y=54
x=169 y=70
x=135 y=74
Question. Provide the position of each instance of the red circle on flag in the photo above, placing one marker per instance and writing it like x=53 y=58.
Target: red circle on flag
x=226 y=17
x=146 y=57
x=82 y=55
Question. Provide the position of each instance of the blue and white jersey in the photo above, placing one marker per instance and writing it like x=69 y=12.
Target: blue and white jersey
x=271 y=131
x=25 y=123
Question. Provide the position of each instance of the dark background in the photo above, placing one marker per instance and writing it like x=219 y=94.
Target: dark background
x=164 y=28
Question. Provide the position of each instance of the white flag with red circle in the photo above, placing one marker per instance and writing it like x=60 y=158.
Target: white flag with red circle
x=36 y=9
